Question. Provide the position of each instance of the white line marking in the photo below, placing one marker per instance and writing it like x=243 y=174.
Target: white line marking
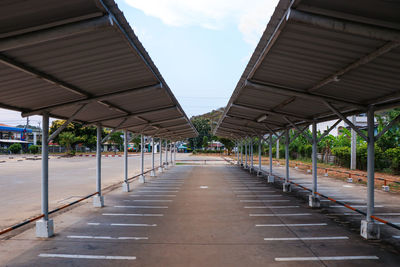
x=153 y=195
x=133 y=214
x=258 y=195
x=133 y=224
x=203 y=187
x=156 y=191
x=93 y=223
x=272 y=200
x=280 y=215
x=270 y=207
x=307 y=238
x=292 y=225
x=396 y=236
x=148 y=200
x=247 y=191
x=96 y=257
x=336 y=258
x=143 y=207
x=107 y=237
x=357 y=214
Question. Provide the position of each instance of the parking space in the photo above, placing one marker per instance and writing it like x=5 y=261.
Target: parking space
x=199 y=215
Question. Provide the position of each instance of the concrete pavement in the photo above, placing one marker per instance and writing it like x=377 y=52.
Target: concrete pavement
x=197 y=215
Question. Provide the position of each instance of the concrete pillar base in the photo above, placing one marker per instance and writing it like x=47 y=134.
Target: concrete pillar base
x=314 y=201
x=98 y=201
x=326 y=174
x=44 y=228
x=385 y=188
x=271 y=179
x=308 y=171
x=160 y=169
x=152 y=173
x=142 y=179
x=166 y=167
x=369 y=230
x=287 y=187
x=349 y=180
x=125 y=187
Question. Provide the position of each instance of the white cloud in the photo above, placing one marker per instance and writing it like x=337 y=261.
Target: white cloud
x=250 y=17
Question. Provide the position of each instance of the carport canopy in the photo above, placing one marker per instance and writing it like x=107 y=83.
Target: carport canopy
x=80 y=59
x=316 y=61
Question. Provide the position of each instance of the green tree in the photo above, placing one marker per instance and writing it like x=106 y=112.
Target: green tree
x=67 y=139
x=205 y=142
x=228 y=143
x=15 y=148
x=203 y=127
x=116 y=139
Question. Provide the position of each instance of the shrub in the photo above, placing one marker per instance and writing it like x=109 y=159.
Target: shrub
x=15 y=148
x=33 y=149
x=393 y=154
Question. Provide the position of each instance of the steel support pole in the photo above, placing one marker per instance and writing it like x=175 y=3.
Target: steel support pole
x=277 y=151
x=369 y=229
x=314 y=200
x=241 y=153
x=44 y=227
x=153 y=170
x=259 y=173
x=166 y=154
x=353 y=154
x=125 y=184
x=245 y=151
x=142 y=178
x=175 y=151
x=270 y=175
x=160 y=169
x=251 y=155
x=98 y=200
x=286 y=185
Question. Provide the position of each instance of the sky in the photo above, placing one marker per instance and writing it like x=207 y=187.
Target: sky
x=201 y=47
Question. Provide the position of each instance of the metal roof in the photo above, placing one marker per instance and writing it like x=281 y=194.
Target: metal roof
x=315 y=59
x=81 y=55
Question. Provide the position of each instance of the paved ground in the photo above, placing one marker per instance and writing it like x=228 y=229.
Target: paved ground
x=213 y=215
x=69 y=180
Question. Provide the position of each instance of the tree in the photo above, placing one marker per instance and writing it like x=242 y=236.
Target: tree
x=67 y=139
x=15 y=148
x=205 y=142
x=228 y=143
x=203 y=127
x=117 y=139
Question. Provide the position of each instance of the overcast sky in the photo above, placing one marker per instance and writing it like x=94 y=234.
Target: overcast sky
x=201 y=47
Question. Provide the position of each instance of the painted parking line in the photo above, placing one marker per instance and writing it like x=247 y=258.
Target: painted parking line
x=157 y=191
x=143 y=207
x=153 y=195
x=307 y=238
x=357 y=214
x=280 y=215
x=248 y=191
x=108 y=237
x=396 y=236
x=122 y=224
x=266 y=200
x=335 y=258
x=291 y=225
x=258 y=195
x=270 y=207
x=148 y=200
x=133 y=214
x=93 y=257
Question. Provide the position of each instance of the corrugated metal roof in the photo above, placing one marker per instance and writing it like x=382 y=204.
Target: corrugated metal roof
x=314 y=54
x=58 y=55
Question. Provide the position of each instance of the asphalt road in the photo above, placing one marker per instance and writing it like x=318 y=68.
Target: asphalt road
x=198 y=216
x=69 y=180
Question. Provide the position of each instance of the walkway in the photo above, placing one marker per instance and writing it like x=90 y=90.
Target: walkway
x=198 y=216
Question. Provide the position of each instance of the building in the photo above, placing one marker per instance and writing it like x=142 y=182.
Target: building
x=10 y=135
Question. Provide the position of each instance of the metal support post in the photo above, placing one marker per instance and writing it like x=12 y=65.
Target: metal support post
x=175 y=151
x=98 y=200
x=270 y=175
x=370 y=229
x=45 y=226
x=245 y=151
x=277 y=151
x=241 y=153
x=314 y=200
x=259 y=173
x=160 y=169
x=166 y=155
x=142 y=178
x=153 y=170
x=353 y=154
x=286 y=184
x=125 y=184
x=251 y=156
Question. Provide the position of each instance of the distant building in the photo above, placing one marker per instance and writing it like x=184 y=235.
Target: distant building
x=10 y=135
x=215 y=145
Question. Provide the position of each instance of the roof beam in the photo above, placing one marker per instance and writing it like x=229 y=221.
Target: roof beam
x=132 y=114
x=270 y=112
x=102 y=97
x=345 y=26
x=301 y=94
x=235 y=117
x=152 y=123
x=55 y=33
